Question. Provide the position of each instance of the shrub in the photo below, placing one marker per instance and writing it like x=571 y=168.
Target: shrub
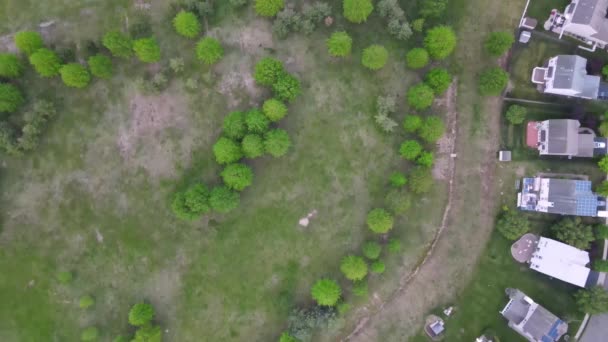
x=492 y=81
x=45 y=62
x=400 y=30
x=274 y=109
x=420 y=180
x=512 y=225
x=426 y=159
x=385 y=122
x=410 y=149
x=268 y=8
x=256 y=121
x=339 y=44
x=285 y=337
x=398 y=201
x=574 y=232
x=372 y=250
x=28 y=42
x=101 y=66
x=432 y=129
x=603 y=129
x=602 y=164
x=386 y=104
x=234 y=125
x=394 y=245
x=141 y=314
x=390 y=9
x=380 y=221
x=89 y=334
x=418 y=25
x=267 y=71
x=176 y=65
x=353 y=267
x=440 y=42
x=378 y=267
x=417 y=58
x=600 y=265
x=224 y=200
x=75 y=75
x=605 y=71
x=86 y=302
x=438 y=79
x=433 y=8
x=412 y=123
x=326 y=292
x=357 y=11
x=499 y=42
x=303 y=323
x=187 y=24
x=601 y=232
x=65 y=277
x=397 y=179
x=237 y=176
x=8 y=138
x=343 y=308
x=192 y=203
x=374 y=57
x=148 y=333
x=516 y=114
x=147 y=50
x=420 y=96
x=277 y=142
x=602 y=189
x=227 y=151
x=286 y=87
x=10 y=98
x=592 y=301
x=360 y=289
x=253 y=146
x=119 y=44
x=34 y=123
x=209 y=50
x=10 y=66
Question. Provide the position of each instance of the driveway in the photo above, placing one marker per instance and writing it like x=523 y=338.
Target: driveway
x=597 y=329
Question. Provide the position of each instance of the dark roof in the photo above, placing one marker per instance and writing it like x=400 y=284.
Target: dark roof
x=584 y=12
x=562 y=133
x=572 y=197
x=541 y=324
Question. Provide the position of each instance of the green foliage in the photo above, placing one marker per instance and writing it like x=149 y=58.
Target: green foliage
x=357 y=11
x=604 y=129
x=10 y=98
x=268 y=8
x=499 y=42
x=101 y=66
x=86 y=302
x=148 y=333
x=399 y=29
x=601 y=232
x=605 y=71
x=378 y=267
x=512 y=225
x=385 y=122
x=603 y=164
x=65 y=277
x=234 y=125
x=394 y=245
x=343 y=308
x=45 y=62
x=417 y=58
x=209 y=50
x=277 y=142
x=176 y=65
x=440 y=42
x=120 y=338
x=380 y=221
x=256 y=121
x=75 y=75
x=420 y=180
x=8 y=138
x=287 y=87
x=372 y=250
x=267 y=71
x=600 y=265
x=192 y=203
x=339 y=44
x=274 y=109
x=224 y=200
x=390 y=9
x=353 y=267
x=432 y=129
x=141 y=314
x=147 y=50
x=303 y=323
x=410 y=149
x=433 y=8
x=418 y=25
x=285 y=337
x=360 y=288
x=574 y=232
x=187 y=24
x=119 y=44
x=439 y=79
x=592 y=301
x=398 y=179
x=306 y=21
x=28 y=42
x=374 y=57
x=237 y=176
x=326 y=292
x=34 y=125
x=398 y=201
x=89 y=334
x=516 y=114
x=227 y=151
x=386 y=104
x=10 y=66
x=412 y=123
x=420 y=96
x=253 y=146
x=426 y=159
x=492 y=81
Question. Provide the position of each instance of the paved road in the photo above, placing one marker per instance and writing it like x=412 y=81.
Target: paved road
x=597 y=329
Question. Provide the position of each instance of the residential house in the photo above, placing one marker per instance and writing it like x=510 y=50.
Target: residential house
x=564 y=137
x=585 y=20
x=566 y=75
x=562 y=261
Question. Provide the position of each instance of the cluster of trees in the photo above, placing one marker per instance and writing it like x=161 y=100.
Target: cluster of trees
x=511 y=224
x=16 y=140
x=439 y=43
x=141 y=317
x=592 y=301
x=386 y=105
x=208 y=50
x=305 y=21
x=397 y=24
x=574 y=232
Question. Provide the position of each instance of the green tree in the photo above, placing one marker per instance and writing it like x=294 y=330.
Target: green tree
x=253 y=146
x=398 y=201
x=86 y=302
x=418 y=25
x=28 y=42
x=147 y=50
x=357 y=11
x=602 y=164
x=119 y=44
x=420 y=96
x=209 y=50
x=256 y=121
x=267 y=71
x=45 y=62
x=512 y=225
x=605 y=71
x=410 y=149
x=148 y=333
x=492 y=81
x=285 y=337
x=499 y=42
x=274 y=109
x=224 y=200
x=101 y=66
x=372 y=250
x=432 y=129
x=426 y=159
x=339 y=44
x=574 y=232
x=268 y=8
x=287 y=87
x=439 y=79
x=600 y=265
x=380 y=221
x=89 y=334
x=65 y=277
x=141 y=314
x=420 y=180
x=374 y=57
x=10 y=66
x=75 y=75
x=237 y=176
x=378 y=267
x=192 y=203
x=592 y=301
x=604 y=128
x=412 y=123
x=397 y=179
x=516 y=114
x=433 y=8
x=394 y=245
x=601 y=232
x=326 y=292
x=417 y=58
x=353 y=267
x=277 y=142
x=187 y=24
x=234 y=125
x=227 y=151
x=440 y=42
x=360 y=288
x=10 y=98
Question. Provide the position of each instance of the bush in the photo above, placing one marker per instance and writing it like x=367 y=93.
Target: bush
x=440 y=42
x=492 y=81
x=234 y=125
x=187 y=24
x=390 y=9
x=286 y=87
x=397 y=179
x=601 y=232
x=394 y=245
x=372 y=250
x=602 y=164
x=101 y=66
x=418 y=25
x=10 y=98
x=499 y=42
x=385 y=122
x=45 y=62
x=209 y=50
x=227 y=151
x=28 y=42
x=417 y=58
x=303 y=323
x=400 y=30
x=426 y=159
x=86 y=302
x=420 y=180
x=516 y=114
x=353 y=267
x=141 y=314
x=65 y=277
x=380 y=221
x=603 y=129
x=274 y=109
x=326 y=292
x=360 y=289
x=148 y=333
x=412 y=123
x=89 y=334
x=343 y=308
x=224 y=200
x=75 y=75
x=433 y=8
x=268 y=8
x=8 y=138
x=512 y=225
x=374 y=57
x=339 y=44
x=378 y=267
x=592 y=301
x=256 y=121
x=420 y=96
x=192 y=203
x=237 y=176
x=267 y=71
x=147 y=50
x=10 y=66
x=277 y=142
x=253 y=146
x=285 y=337
x=119 y=44
x=600 y=265
x=432 y=129
x=398 y=201
x=574 y=232
x=438 y=79
x=357 y=11
x=605 y=71
x=410 y=149
x=34 y=123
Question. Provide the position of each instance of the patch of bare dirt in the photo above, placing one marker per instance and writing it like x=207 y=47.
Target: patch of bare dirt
x=446 y=145
x=237 y=81
x=252 y=38
x=162 y=291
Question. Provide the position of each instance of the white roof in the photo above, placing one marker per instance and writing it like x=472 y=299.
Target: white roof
x=561 y=261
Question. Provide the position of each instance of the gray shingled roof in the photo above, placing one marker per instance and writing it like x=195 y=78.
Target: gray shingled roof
x=563 y=137
x=562 y=192
x=540 y=323
x=571 y=73
x=593 y=13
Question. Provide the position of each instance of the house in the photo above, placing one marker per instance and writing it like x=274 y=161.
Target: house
x=531 y=320
x=585 y=20
x=566 y=75
x=560 y=196
x=564 y=137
